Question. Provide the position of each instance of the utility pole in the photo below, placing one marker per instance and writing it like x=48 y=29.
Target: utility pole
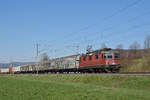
x=37 y=54
x=78 y=53
x=78 y=49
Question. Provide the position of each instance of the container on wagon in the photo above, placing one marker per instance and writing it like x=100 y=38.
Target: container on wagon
x=5 y=70
x=16 y=69
x=68 y=62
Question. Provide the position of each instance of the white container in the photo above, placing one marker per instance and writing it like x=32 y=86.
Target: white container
x=4 y=70
x=16 y=69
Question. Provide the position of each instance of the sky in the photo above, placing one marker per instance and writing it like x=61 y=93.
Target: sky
x=60 y=25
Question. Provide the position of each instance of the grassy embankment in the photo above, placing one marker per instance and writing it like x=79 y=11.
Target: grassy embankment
x=74 y=87
x=137 y=64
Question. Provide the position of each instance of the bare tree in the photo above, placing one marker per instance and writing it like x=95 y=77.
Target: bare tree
x=119 y=46
x=147 y=42
x=89 y=48
x=133 y=47
x=103 y=45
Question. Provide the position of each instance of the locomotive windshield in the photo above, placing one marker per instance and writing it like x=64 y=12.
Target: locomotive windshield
x=111 y=56
x=117 y=56
x=108 y=56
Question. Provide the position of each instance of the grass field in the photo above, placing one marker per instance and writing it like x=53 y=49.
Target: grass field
x=74 y=87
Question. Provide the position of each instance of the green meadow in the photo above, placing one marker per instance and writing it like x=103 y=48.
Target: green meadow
x=74 y=87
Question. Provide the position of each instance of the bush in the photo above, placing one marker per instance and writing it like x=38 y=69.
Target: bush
x=137 y=64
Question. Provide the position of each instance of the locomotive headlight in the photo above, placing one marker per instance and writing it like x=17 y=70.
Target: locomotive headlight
x=113 y=63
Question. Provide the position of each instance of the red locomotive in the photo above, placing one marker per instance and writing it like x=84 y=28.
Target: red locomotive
x=105 y=60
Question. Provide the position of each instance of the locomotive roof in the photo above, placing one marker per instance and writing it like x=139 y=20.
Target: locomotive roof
x=100 y=51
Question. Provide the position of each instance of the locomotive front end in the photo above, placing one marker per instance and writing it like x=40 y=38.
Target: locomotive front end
x=112 y=60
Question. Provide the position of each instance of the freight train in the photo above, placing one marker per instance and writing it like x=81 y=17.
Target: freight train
x=105 y=60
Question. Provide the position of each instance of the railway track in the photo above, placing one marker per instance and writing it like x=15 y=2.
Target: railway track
x=124 y=74
x=101 y=74
x=134 y=73
x=120 y=74
x=113 y=74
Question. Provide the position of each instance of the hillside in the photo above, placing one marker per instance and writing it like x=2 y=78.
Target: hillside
x=136 y=62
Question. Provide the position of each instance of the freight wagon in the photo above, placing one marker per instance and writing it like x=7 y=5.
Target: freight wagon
x=16 y=69
x=62 y=64
x=28 y=68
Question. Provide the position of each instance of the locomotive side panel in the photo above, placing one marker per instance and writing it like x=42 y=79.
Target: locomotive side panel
x=92 y=60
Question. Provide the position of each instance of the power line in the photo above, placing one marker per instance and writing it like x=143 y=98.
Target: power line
x=129 y=21
x=127 y=30
x=116 y=26
x=124 y=38
x=116 y=34
x=110 y=16
x=106 y=18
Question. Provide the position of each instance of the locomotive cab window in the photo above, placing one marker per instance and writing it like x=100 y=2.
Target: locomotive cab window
x=108 y=56
x=117 y=56
x=90 y=57
x=96 y=56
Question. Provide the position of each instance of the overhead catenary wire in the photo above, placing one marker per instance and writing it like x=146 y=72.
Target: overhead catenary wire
x=101 y=32
x=125 y=37
x=117 y=34
x=107 y=17
x=112 y=15
x=128 y=21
